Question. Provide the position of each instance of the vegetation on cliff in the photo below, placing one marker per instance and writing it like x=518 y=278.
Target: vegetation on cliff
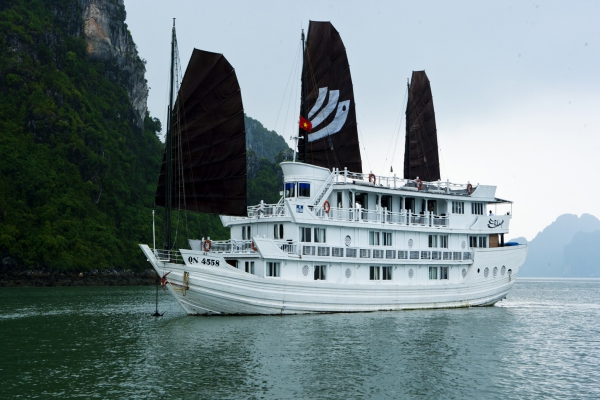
x=77 y=174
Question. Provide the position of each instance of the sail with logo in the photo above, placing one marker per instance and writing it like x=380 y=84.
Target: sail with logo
x=421 y=157
x=327 y=112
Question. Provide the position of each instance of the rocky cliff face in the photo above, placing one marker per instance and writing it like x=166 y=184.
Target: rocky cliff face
x=108 y=40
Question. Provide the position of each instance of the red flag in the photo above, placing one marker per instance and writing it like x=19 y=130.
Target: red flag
x=305 y=124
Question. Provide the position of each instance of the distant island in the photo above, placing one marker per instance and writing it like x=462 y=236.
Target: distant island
x=569 y=247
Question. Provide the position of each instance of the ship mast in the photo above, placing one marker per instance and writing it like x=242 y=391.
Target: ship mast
x=169 y=149
x=303 y=104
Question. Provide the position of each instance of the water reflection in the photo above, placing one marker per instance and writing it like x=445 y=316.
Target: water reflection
x=101 y=342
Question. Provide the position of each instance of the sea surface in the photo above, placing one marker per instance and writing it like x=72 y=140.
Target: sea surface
x=543 y=341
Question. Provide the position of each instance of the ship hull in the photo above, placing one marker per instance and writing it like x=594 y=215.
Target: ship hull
x=225 y=290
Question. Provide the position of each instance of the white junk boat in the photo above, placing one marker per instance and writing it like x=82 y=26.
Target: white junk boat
x=338 y=240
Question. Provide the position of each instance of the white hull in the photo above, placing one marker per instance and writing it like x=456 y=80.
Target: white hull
x=227 y=290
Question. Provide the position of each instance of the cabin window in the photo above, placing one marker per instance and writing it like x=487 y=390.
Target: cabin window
x=409 y=204
x=387 y=238
x=374 y=273
x=472 y=241
x=278 y=231
x=339 y=199
x=386 y=273
x=432 y=206
x=273 y=269
x=458 y=207
x=249 y=267
x=373 y=238
x=320 y=272
x=433 y=242
x=482 y=241
x=290 y=189
x=433 y=273
x=305 y=235
x=319 y=235
x=444 y=241
x=304 y=189
x=233 y=263
x=362 y=200
x=246 y=232
x=477 y=208
x=443 y=272
x=386 y=202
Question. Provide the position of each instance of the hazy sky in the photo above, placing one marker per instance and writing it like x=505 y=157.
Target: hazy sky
x=516 y=84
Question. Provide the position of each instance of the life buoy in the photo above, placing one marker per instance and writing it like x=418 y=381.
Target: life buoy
x=419 y=184
x=469 y=188
x=206 y=245
x=253 y=245
x=372 y=178
x=327 y=206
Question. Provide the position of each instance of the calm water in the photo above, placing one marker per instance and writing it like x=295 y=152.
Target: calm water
x=542 y=342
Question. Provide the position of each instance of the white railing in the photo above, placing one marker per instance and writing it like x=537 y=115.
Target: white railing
x=405 y=217
x=170 y=256
x=268 y=210
x=232 y=246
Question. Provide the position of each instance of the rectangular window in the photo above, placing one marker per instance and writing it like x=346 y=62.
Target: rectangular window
x=365 y=253
x=373 y=238
x=444 y=241
x=477 y=208
x=387 y=238
x=273 y=269
x=433 y=241
x=443 y=272
x=425 y=255
x=458 y=207
x=246 y=232
x=448 y=255
x=436 y=255
x=319 y=235
x=351 y=253
x=339 y=199
x=390 y=254
x=482 y=241
x=414 y=255
x=320 y=272
x=290 y=189
x=305 y=235
x=303 y=189
x=278 y=231
x=402 y=254
x=377 y=253
x=337 y=251
x=456 y=256
x=386 y=273
x=472 y=241
x=374 y=273
x=323 y=251
x=308 y=250
x=249 y=267
x=433 y=273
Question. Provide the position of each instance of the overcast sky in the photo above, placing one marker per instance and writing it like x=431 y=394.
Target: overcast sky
x=516 y=84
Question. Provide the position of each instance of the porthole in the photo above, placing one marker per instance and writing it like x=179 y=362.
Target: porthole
x=305 y=270
x=495 y=271
x=348 y=240
x=486 y=272
x=464 y=272
x=410 y=244
x=348 y=273
x=503 y=270
x=410 y=273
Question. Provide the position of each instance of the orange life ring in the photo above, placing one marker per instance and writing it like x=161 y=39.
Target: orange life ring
x=327 y=206
x=419 y=184
x=206 y=245
x=253 y=245
x=372 y=178
x=469 y=188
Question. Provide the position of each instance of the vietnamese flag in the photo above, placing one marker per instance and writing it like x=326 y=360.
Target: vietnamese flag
x=305 y=124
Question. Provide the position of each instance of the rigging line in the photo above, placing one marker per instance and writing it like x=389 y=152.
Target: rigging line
x=287 y=113
x=399 y=124
x=286 y=86
x=443 y=164
x=361 y=138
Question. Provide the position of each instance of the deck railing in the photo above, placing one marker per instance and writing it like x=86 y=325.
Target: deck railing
x=170 y=256
x=405 y=217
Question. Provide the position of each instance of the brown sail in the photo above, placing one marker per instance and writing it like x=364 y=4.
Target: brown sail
x=421 y=149
x=328 y=102
x=209 y=140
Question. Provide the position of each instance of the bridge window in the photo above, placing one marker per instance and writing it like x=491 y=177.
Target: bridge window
x=472 y=241
x=304 y=189
x=305 y=235
x=482 y=241
x=290 y=189
x=477 y=208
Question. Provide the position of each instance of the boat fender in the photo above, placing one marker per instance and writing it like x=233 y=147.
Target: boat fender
x=327 y=206
x=372 y=178
x=419 y=184
x=253 y=245
x=206 y=245
x=469 y=189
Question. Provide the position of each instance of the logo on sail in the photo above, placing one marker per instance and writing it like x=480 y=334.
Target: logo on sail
x=343 y=107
